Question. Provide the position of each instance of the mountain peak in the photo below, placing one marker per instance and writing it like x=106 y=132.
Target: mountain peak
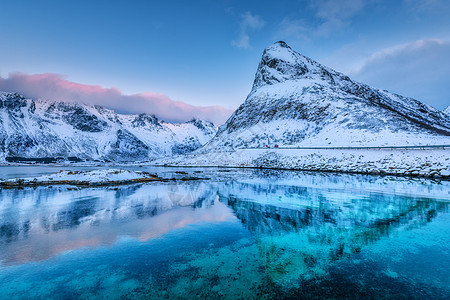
x=281 y=51
x=281 y=44
x=12 y=101
x=280 y=63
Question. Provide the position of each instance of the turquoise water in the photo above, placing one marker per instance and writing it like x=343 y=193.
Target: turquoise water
x=241 y=234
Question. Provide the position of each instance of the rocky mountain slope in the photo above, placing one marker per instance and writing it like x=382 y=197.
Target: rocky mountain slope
x=40 y=128
x=296 y=101
x=447 y=110
x=321 y=120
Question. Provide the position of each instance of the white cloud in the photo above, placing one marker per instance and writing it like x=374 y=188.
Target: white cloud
x=243 y=42
x=343 y=9
x=419 y=6
x=420 y=69
x=292 y=28
x=247 y=24
x=250 y=21
x=336 y=14
x=327 y=16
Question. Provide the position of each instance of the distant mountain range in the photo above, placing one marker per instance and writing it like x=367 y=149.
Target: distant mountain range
x=49 y=129
x=296 y=101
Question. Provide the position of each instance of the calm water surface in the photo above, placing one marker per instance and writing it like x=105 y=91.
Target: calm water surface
x=241 y=234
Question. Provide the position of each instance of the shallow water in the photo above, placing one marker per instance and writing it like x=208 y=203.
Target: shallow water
x=242 y=234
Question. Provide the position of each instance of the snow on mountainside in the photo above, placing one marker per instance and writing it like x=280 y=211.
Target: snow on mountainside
x=42 y=128
x=447 y=110
x=296 y=101
x=318 y=118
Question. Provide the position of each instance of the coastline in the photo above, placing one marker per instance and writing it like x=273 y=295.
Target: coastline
x=92 y=178
x=433 y=164
x=429 y=163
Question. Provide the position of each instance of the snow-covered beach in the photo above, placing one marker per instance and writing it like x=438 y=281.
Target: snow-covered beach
x=432 y=163
x=91 y=178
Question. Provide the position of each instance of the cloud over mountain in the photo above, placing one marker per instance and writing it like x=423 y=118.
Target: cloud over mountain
x=55 y=87
x=247 y=24
x=419 y=68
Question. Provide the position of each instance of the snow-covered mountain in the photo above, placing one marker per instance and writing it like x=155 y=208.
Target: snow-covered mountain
x=42 y=128
x=296 y=101
x=447 y=110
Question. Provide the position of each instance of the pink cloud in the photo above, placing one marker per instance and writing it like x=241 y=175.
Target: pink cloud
x=55 y=87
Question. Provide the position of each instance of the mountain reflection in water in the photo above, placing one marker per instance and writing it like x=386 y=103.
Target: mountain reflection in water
x=37 y=224
x=294 y=227
x=300 y=239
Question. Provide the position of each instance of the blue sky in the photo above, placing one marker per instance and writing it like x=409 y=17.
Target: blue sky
x=205 y=53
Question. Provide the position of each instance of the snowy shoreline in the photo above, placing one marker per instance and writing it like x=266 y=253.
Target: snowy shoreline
x=430 y=163
x=93 y=178
x=414 y=163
